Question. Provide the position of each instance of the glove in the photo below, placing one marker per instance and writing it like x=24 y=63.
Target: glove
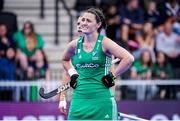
x=74 y=75
x=108 y=80
x=73 y=82
x=62 y=105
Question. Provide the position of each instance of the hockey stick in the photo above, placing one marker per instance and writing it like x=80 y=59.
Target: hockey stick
x=54 y=92
x=130 y=117
x=61 y=88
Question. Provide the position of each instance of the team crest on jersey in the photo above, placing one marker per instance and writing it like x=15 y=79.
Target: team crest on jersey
x=95 y=55
x=80 y=56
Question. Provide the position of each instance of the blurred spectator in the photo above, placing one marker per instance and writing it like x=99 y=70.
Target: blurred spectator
x=7 y=65
x=142 y=70
x=145 y=39
x=162 y=70
x=7 y=62
x=10 y=66
x=112 y=22
x=40 y=71
x=27 y=43
x=152 y=15
x=7 y=73
x=10 y=20
x=168 y=42
x=6 y=41
x=171 y=9
x=38 y=66
x=27 y=40
x=37 y=70
x=131 y=19
x=41 y=66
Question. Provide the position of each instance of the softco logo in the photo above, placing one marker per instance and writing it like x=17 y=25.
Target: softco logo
x=87 y=65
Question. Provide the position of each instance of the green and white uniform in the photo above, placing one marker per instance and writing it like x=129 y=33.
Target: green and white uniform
x=91 y=100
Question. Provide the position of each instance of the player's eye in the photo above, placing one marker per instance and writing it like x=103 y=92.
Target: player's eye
x=88 y=20
x=83 y=19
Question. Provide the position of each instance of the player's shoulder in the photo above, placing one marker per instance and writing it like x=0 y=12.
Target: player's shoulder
x=77 y=39
x=106 y=43
x=73 y=43
x=106 y=40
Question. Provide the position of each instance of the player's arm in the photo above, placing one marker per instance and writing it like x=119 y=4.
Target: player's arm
x=111 y=48
x=68 y=53
x=67 y=64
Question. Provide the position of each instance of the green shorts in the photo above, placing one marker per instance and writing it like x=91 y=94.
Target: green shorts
x=93 y=109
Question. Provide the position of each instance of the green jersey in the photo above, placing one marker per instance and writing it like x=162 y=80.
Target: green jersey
x=91 y=67
x=91 y=99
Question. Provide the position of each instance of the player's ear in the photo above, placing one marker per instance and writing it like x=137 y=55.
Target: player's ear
x=98 y=25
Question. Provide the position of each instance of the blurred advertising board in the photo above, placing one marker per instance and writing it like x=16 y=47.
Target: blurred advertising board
x=151 y=110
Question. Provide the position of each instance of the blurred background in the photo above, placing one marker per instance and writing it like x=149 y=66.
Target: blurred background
x=34 y=33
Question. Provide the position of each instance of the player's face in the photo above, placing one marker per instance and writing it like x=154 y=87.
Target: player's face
x=79 y=25
x=89 y=23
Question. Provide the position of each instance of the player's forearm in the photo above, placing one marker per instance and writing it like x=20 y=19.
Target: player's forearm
x=73 y=74
x=62 y=96
x=124 y=65
x=67 y=64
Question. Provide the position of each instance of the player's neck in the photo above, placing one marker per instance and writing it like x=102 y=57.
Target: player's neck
x=91 y=37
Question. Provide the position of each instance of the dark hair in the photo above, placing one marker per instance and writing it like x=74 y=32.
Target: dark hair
x=99 y=17
x=31 y=26
x=165 y=58
x=142 y=54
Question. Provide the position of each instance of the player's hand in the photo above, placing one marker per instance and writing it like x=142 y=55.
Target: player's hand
x=73 y=75
x=73 y=82
x=63 y=105
x=109 y=80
